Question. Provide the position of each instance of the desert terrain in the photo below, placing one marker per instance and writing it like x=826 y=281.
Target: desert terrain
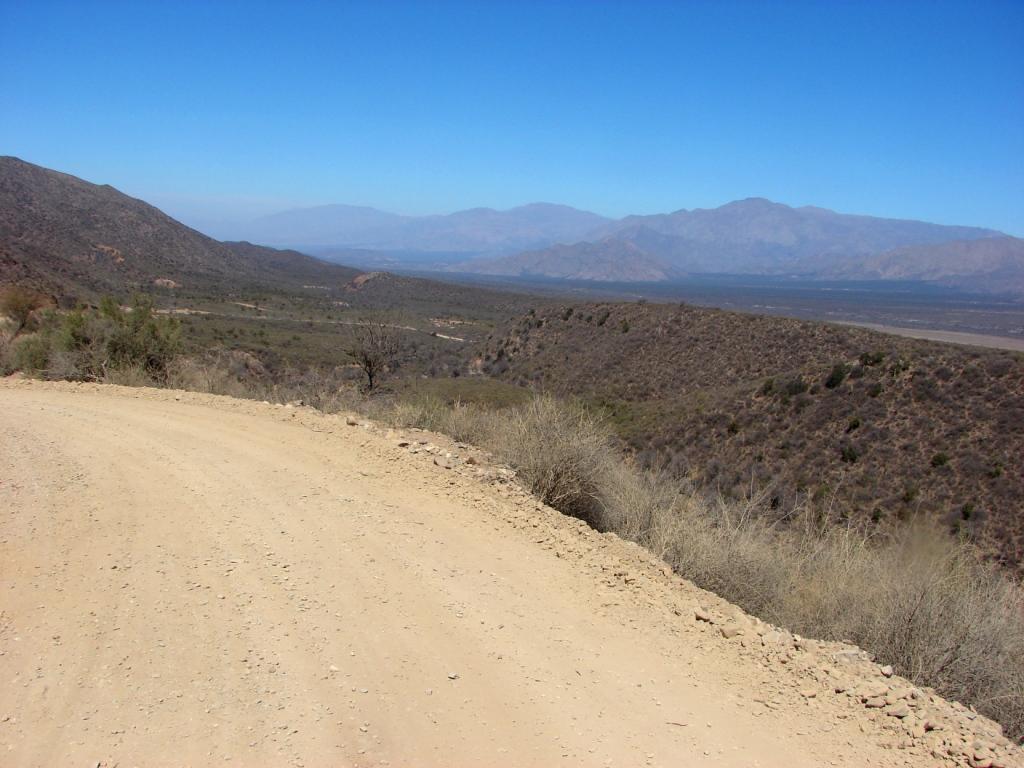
x=269 y=585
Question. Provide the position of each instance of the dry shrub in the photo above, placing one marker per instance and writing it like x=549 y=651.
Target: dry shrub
x=214 y=375
x=560 y=450
x=925 y=603
x=464 y=422
x=240 y=374
x=641 y=506
x=324 y=390
x=129 y=376
x=917 y=599
x=419 y=413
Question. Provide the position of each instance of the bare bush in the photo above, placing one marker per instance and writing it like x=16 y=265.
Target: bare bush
x=917 y=599
x=374 y=347
x=559 y=450
x=129 y=376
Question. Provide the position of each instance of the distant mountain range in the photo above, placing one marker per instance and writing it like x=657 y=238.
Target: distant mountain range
x=752 y=236
x=68 y=237
x=475 y=231
x=760 y=237
x=993 y=264
x=57 y=230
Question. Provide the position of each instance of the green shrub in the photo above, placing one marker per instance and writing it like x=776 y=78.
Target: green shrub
x=88 y=344
x=940 y=459
x=795 y=386
x=899 y=366
x=22 y=306
x=837 y=376
x=30 y=354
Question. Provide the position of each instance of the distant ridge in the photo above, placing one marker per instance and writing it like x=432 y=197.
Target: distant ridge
x=758 y=236
x=993 y=264
x=477 y=230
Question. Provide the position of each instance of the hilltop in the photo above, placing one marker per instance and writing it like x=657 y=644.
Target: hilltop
x=67 y=236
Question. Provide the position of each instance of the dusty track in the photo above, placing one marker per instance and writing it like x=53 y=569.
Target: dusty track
x=187 y=580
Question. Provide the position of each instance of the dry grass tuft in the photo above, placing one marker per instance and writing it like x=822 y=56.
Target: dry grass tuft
x=917 y=599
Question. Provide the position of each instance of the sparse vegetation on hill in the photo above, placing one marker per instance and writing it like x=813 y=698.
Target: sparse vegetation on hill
x=916 y=598
x=845 y=419
x=76 y=240
x=920 y=600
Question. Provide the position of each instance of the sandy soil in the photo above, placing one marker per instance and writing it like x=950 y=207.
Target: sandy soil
x=950 y=337
x=191 y=580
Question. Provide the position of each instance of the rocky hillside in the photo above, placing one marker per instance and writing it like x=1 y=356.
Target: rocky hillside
x=864 y=425
x=69 y=237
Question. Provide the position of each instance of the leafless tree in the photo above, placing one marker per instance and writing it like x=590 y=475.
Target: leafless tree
x=374 y=346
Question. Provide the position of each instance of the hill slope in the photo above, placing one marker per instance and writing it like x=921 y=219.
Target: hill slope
x=67 y=236
x=733 y=400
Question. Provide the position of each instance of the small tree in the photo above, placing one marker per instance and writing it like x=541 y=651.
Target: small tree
x=19 y=304
x=374 y=346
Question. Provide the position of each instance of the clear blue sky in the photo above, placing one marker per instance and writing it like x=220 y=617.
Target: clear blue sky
x=219 y=109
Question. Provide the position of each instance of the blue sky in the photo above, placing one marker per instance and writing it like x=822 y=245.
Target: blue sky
x=215 y=110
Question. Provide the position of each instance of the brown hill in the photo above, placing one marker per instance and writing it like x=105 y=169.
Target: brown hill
x=69 y=237
x=864 y=425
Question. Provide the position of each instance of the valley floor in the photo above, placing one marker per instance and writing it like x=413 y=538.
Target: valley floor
x=950 y=337
x=186 y=580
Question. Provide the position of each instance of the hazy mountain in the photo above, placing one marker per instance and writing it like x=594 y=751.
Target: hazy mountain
x=759 y=234
x=753 y=236
x=478 y=230
x=67 y=236
x=324 y=225
x=994 y=264
x=610 y=260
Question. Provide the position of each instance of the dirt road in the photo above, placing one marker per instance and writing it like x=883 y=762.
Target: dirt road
x=190 y=580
